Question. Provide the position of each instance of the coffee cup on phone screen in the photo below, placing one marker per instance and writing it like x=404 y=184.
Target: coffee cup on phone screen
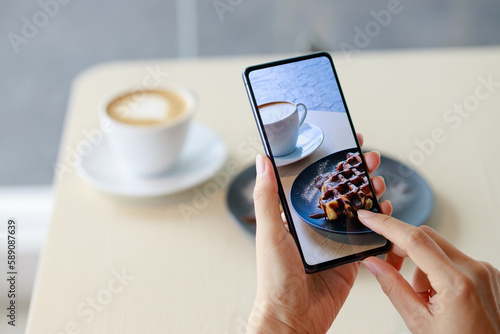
x=282 y=122
x=149 y=127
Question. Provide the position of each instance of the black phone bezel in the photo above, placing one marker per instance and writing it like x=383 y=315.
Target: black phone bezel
x=336 y=262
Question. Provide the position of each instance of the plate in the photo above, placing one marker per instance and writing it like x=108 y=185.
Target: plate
x=411 y=196
x=310 y=138
x=203 y=155
x=304 y=196
x=240 y=199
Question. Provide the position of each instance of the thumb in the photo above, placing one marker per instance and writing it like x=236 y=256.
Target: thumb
x=267 y=201
x=400 y=293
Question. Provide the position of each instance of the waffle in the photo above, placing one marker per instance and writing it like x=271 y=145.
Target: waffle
x=346 y=189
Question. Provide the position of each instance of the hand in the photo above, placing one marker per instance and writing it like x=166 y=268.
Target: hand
x=289 y=300
x=451 y=292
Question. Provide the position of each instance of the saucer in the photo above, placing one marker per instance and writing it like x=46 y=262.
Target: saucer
x=203 y=155
x=310 y=138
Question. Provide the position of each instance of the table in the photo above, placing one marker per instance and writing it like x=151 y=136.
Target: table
x=117 y=265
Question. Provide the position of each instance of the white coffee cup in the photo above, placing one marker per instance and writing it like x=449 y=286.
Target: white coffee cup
x=149 y=127
x=282 y=122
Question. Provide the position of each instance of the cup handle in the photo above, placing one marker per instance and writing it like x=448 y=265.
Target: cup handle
x=303 y=117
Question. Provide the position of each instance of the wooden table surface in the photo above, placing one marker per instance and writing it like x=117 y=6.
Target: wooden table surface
x=122 y=265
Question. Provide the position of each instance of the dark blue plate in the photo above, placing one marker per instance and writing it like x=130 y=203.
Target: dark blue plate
x=411 y=196
x=240 y=199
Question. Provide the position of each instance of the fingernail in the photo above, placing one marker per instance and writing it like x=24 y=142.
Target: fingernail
x=365 y=213
x=260 y=165
x=378 y=153
x=369 y=267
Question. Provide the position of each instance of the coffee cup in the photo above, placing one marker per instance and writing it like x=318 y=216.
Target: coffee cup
x=282 y=122
x=149 y=127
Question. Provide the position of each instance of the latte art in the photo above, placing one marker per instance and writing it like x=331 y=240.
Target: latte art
x=149 y=107
x=276 y=111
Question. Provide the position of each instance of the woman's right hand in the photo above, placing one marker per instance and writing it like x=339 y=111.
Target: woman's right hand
x=451 y=293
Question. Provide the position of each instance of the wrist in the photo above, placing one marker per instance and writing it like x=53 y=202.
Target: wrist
x=265 y=318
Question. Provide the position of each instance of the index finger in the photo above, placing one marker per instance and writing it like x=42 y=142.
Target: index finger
x=419 y=246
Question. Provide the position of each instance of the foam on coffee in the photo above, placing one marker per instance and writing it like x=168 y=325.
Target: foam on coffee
x=149 y=107
x=275 y=111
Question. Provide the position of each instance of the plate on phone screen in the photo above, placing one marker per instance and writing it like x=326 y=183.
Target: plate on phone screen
x=304 y=196
x=411 y=197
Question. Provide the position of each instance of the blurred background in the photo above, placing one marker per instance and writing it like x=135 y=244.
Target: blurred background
x=46 y=43
x=39 y=62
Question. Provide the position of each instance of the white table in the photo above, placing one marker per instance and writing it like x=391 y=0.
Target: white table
x=198 y=275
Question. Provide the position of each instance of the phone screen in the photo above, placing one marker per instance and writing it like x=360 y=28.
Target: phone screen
x=307 y=131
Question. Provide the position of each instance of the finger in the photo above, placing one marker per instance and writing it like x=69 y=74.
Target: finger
x=372 y=161
x=391 y=258
x=360 y=139
x=394 y=260
x=421 y=285
x=399 y=291
x=451 y=251
x=378 y=185
x=266 y=201
x=386 y=208
x=414 y=242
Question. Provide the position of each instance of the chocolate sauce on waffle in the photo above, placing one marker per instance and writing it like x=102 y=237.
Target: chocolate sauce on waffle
x=345 y=190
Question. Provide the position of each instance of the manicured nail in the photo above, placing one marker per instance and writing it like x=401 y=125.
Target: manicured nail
x=365 y=213
x=369 y=267
x=260 y=165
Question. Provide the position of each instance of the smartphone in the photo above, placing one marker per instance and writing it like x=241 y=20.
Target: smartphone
x=322 y=176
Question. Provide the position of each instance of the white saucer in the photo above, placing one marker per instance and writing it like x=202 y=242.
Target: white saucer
x=310 y=138
x=203 y=155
